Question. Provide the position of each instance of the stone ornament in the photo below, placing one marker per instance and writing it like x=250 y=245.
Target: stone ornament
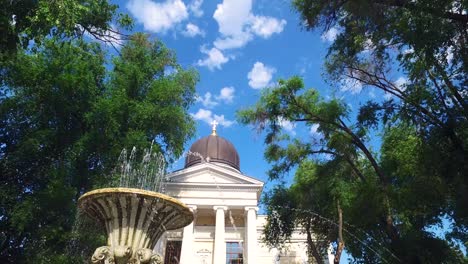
x=134 y=220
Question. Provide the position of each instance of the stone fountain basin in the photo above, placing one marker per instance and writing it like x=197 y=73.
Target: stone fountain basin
x=134 y=219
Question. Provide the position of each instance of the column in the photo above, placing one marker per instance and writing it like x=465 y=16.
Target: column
x=250 y=239
x=219 y=255
x=186 y=252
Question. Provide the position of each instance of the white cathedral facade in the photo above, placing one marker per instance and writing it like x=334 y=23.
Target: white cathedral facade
x=227 y=227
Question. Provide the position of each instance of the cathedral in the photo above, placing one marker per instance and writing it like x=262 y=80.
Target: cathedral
x=227 y=227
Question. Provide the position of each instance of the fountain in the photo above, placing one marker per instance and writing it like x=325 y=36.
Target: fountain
x=134 y=218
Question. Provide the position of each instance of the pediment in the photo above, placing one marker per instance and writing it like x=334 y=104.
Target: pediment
x=209 y=173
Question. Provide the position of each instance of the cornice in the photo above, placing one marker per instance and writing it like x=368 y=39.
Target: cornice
x=212 y=167
x=211 y=186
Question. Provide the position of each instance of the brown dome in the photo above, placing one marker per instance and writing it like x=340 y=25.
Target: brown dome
x=213 y=148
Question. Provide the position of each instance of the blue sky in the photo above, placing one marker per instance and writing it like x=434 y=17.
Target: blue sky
x=239 y=47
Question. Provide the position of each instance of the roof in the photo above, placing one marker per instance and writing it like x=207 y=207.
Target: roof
x=213 y=148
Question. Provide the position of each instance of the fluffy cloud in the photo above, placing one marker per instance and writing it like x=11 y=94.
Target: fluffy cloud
x=400 y=83
x=215 y=58
x=207 y=116
x=330 y=35
x=232 y=42
x=158 y=17
x=192 y=30
x=388 y=96
x=195 y=8
x=287 y=125
x=226 y=94
x=207 y=100
x=238 y=25
x=267 y=26
x=260 y=75
x=232 y=16
x=314 y=131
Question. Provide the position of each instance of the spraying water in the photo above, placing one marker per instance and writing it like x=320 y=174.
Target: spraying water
x=366 y=243
x=147 y=174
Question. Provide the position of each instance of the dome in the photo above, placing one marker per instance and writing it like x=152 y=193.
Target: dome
x=213 y=148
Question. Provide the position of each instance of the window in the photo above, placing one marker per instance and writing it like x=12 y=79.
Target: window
x=172 y=252
x=234 y=253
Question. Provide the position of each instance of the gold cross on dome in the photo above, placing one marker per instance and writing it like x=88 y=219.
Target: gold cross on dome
x=214 y=123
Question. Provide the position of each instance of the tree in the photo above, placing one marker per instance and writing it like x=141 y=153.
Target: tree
x=313 y=202
x=427 y=41
x=424 y=125
x=64 y=119
x=371 y=180
x=23 y=23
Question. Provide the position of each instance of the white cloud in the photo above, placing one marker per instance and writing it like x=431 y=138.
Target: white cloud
x=266 y=26
x=388 y=96
x=408 y=51
x=449 y=56
x=400 y=83
x=207 y=100
x=226 y=94
x=195 y=8
x=207 y=116
x=260 y=75
x=204 y=115
x=232 y=16
x=223 y=121
x=214 y=60
x=314 y=132
x=192 y=30
x=330 y=35
x=351 y=85
x=314 y=129
x=287 y=125
x=232 y=42
x=158 y=17
x=238 y=25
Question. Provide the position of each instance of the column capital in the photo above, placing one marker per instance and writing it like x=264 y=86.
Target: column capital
x=248 y=208
x=217 y=207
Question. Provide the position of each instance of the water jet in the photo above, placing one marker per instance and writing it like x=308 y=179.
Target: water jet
x=134 y=218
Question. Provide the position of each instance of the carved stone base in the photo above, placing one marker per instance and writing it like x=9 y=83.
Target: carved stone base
x=124 y=255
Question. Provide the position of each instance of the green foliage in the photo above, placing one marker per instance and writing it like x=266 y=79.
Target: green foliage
x=24 y=23
x=418 y=177
x=64 y=119
x=377 y=192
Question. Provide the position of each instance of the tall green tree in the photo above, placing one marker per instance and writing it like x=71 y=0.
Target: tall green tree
x=426 y=42
x=64 y=118
x=382 y=185
x=28 y=22
x=423 y=156
x=315 y=202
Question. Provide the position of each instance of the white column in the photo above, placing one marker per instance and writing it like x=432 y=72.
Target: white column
x=219 y=255
x=186 y=253
x=250 y=239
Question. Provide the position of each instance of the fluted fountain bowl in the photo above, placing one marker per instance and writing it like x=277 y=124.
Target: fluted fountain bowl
x=134 y=220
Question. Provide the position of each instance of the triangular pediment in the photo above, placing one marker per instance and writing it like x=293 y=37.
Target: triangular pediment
x=210 y=173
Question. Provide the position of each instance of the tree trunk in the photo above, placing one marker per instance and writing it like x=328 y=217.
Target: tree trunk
x=312 y=248
x=341 y=243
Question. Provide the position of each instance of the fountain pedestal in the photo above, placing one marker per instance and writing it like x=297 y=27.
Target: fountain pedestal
x=134 y=220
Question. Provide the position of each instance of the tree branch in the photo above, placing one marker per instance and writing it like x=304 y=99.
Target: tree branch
x=458 y=17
